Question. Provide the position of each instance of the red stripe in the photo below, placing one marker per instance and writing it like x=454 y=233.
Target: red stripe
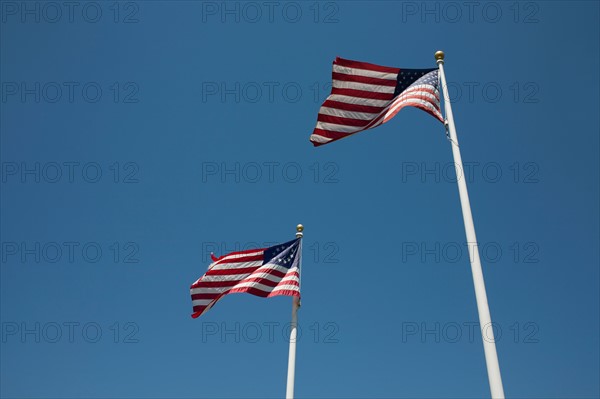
x=200 y=309
x=365 y=65
x=230 y=283
x=267 y=282
x=362 y=94
x=272 y=272
x=352 y=107
x=338 y=120
x=263 y=294
x=211 y=295
x=415 y=97
x=240 y=259
x=288 y=274
x=284 y=293
x=410 y=90
x=429 y=112
x=374 y=121
x=436 y=105
x=252 y=290
x=426 y=99
x=216 y=284
x=227 y=272
x=363 y=79
x=420 y=106
x=330 y=134
x=246 y=251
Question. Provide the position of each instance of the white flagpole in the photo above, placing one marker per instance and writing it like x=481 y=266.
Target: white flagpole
x=289 y=391
x=485 y=320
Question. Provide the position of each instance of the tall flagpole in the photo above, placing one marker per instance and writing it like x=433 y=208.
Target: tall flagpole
x=289 y=391
x=485 y=320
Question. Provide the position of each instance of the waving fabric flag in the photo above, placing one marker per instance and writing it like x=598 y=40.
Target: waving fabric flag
x=364 y=96
x=265 y=272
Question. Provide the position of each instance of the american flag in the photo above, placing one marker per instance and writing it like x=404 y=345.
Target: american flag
x=364 y=96
x=265 y=272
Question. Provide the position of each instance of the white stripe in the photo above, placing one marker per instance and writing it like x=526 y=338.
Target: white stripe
x=230 y=277
x=242 y=284
x=270 y=266
x=286 y=287
x=237 y=265
x=261 y=287
x=240 y=277
x=317 y=138
x=347 y=114
x=420 y=87
x=290 y=278
x=430 y=96
x=209 y=290
x=253 y=284
x=374 y=124
x=201 y=302
x=364 y=72
x=412 y=102
x=358 y=100
x=235 y=256
x=340 y=84
x=338 y=128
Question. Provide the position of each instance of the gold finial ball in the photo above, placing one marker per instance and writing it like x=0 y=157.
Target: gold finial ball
x=439 y=55
x=299 y=228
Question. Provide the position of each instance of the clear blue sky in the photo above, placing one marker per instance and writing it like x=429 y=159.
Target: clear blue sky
x=137 y=137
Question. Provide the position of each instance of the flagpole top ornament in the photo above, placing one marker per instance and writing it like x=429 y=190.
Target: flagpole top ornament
x=439 y=56
x=299 y=230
